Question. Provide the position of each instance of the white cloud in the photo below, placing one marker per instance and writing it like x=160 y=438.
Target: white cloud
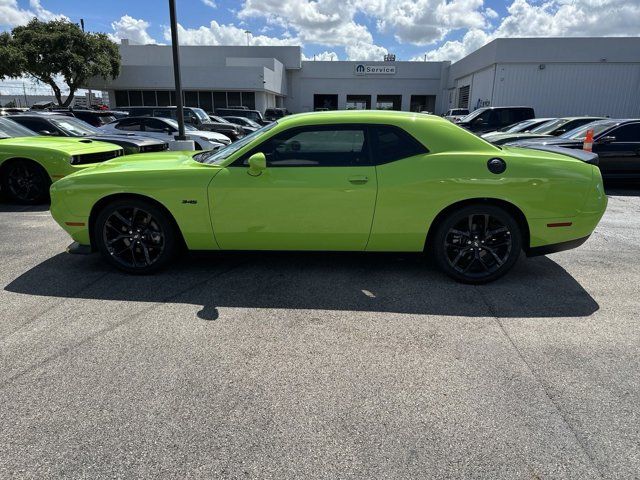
x=217 y=34
x=490 y=13
x=135 y=30
x=209 y=3
x=12 y=15
x=365 y=51
x=456 y=49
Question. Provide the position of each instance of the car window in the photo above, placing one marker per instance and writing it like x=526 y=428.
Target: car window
x=156 y=126
x=317 y=146
x=627 y=133
x=130 y=125
x=74 y=126
x=598 y=127
x=35 y=124
x=392 y=143
x=550 y=126
x=9 y=128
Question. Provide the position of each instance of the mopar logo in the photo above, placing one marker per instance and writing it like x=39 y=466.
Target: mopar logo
x=359 y=69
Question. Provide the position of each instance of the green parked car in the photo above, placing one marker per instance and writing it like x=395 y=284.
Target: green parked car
x=375 y=181
x=29 y=163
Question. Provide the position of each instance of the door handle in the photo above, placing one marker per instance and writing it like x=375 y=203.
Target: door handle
x=358 y=179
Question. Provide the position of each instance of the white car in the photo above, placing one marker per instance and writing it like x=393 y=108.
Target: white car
x=456 y=114
x=166 y=129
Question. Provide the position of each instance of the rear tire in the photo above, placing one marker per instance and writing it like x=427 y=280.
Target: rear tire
x=477 y=243
x=26 y=182
x=135 y=236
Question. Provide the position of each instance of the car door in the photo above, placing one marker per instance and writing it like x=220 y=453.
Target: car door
x=619 y=150
x=318 y=192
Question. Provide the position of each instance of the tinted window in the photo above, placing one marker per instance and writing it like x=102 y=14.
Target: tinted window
x=164 y=112
x=330 y=146
x=131 y=125
x=392 y=143
x=35 y=124
x=627 y=133
x=155 y=125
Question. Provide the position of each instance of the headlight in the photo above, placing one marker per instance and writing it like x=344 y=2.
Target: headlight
x=74 y=160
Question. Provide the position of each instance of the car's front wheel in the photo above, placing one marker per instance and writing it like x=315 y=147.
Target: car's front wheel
x=477 y=243
x=135 y=236
x=25 y=181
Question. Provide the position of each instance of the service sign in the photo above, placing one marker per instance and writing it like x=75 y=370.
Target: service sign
x=362 y=69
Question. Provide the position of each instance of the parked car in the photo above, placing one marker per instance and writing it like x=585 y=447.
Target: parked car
x=617 y=143
x=165 y=129
x=273 y=114
x=196 y=117
x=487 y=119
x=97 y=118
x=551 y=128
x=350 y=180
x=254 y=115
x=63 y=126
x=456 y=114
x=11 y=110
x=523 y=126
x=247 y=125
x=29 y=163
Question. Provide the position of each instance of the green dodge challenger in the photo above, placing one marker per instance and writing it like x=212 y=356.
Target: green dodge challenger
x=29 y=163
x=373 y=181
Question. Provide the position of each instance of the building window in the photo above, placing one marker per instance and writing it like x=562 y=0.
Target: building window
x=325 y=102
x=190 y=99
x=164 y=98
x=149 y=98
x=422 y=103
x=233 y=99
x=389 y=102
x=204 y=99
x=122 y=98
x=249 y=100
x=358 y=102
x=135 y=98
x=219 y=100
x=463 y=97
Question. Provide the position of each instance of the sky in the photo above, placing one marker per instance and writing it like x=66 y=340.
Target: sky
x=339 y=29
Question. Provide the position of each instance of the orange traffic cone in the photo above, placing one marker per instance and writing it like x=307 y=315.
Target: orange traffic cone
x=588 y=141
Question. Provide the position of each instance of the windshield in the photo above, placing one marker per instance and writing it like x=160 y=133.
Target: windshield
x=550 y=126
x=174 y=124
x=216 y=157
x=9 y=129
x=597 y=127
x=201 y=114
x=74 y=126
x=218 y=119
x=473 y=115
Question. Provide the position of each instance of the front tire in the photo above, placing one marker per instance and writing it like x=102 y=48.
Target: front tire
x=135 y=236
x=26 y=182
x=477 y=243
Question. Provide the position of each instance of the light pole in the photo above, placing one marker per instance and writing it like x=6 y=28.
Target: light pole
x=248 y=32
x=176 y=70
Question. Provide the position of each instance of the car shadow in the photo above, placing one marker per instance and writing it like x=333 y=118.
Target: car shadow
x=18 y=208
x=397 y=283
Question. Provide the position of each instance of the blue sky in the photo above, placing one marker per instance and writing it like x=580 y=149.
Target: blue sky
x=341 y=29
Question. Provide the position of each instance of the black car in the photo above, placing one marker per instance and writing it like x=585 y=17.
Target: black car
x=617 y=143
x=493 y=118
x=194 y=116
x=552 y=128
x=97 y=118
x=254 y=115
x=66 y=126
x=248 y=125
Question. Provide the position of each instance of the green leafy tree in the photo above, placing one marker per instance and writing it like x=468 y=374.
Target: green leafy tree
x=58 y=49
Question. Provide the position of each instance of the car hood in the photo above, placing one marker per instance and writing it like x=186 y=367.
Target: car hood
x=72 y=146
x=145 y=162
x=207 y=134
x=137 y=140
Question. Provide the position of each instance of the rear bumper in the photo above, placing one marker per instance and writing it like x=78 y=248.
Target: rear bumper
x=555 y=247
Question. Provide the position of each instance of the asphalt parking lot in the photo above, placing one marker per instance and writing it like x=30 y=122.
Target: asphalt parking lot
x=318 y=365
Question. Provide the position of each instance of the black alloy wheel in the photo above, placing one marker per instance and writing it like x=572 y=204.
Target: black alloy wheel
x=135 y=236
x=26 y=182
x=478 y=244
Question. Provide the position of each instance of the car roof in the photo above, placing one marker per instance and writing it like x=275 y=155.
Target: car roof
x=363 y=116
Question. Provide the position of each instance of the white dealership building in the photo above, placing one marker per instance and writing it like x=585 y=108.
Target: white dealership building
x=556 y=76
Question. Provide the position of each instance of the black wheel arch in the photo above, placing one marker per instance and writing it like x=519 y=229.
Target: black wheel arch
x=104 y=201
x=9 y=161
x=507 y=206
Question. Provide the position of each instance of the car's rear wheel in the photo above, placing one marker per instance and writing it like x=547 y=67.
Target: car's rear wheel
x=26 y=182
x=477 y=244
x=135 y=236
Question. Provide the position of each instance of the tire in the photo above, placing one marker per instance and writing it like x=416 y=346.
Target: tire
x=135 y=236
x=470 y=250
x=25 y=182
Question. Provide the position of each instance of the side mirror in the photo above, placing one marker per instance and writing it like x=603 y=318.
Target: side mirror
x=167 y=130
x=45 y=132
x=257 y=164
x=560 y=131
x=607 y=139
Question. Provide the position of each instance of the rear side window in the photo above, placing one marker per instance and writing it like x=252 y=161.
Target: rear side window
x=131 y=125
x=389 y=144
x=627 y=133
x=34 y=124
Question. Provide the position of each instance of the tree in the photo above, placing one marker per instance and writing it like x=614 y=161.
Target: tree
x=58 y=49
